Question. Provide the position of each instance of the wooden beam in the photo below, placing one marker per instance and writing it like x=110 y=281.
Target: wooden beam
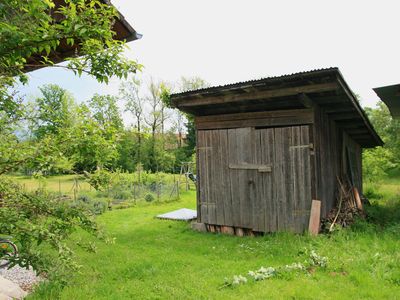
x=361 y=130
x=246 y=166
x=306 y=101
x=255 y=119
x=338 y=108
x=345 y=116
x=256 y=95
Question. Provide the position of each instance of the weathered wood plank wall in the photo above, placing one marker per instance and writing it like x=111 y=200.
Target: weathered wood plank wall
x=257 y=178
x=331 y=159
x=327 y=159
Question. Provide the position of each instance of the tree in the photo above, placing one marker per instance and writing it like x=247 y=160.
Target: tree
x=378 y=161
x=53 y=110
x=90 y=145
x=105 y=111
x=29 y=32
x=188 y=84
x=134 y=103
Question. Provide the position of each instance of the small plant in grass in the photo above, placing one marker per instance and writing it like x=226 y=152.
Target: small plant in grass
x=317 y=260
x=314 y=260
x=262 y=273
x=235 y=280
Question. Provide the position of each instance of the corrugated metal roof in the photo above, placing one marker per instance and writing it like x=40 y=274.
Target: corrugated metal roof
x=255 y=81
x=326 y=86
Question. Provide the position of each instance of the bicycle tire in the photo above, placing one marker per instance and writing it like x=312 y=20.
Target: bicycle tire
x=4 y=262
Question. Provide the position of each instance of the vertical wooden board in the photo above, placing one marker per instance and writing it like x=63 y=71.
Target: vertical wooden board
x=210 y=178
x=259 y=197
x=225 y=180
x=202 y=175
x=234 y=177
x=245 y=138
x=295 y=168
x=279 y=179
x=317 y=145
x=241 y=151
x=271 y=213
x=306 y=177
x=289 y=180
x=217 y=184
x=267 y=158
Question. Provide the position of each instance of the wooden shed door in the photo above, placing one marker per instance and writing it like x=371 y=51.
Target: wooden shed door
x=255 y=178
x=283 y=197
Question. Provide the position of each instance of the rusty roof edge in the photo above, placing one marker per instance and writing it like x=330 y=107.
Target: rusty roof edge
x=359 y=109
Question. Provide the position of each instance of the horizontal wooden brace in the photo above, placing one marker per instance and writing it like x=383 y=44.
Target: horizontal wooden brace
x=309 y=146
x=246 y=166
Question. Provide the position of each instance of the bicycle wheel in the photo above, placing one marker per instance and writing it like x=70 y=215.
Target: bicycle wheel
x=8 y=250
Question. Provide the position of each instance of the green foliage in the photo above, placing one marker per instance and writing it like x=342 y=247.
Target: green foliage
x=94 y=207
x=101 y=180
x=188 y=84
x=29 y=30
x=371 y=192
x=105 y=111
x=40 y=225
x=90 y=145
x=149 y=198
x=53 y=111
x=30 y=34
x=378 y=161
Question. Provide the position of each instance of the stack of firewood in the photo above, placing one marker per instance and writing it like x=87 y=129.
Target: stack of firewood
x=349 y=207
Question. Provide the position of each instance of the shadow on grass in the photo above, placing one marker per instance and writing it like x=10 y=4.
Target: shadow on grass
x=383 y=216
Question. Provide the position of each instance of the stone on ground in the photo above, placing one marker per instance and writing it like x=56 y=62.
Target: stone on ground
x=10 y=289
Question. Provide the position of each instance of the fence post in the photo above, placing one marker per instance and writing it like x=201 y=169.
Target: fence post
x=134 y=193
x=177 y=190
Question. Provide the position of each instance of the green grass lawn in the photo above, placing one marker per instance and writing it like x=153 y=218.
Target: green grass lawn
x=159 y=259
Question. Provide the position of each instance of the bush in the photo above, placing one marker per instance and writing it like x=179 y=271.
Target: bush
x=121 y=193
x=40 y=221
x=149 y=198
x=96 y=207
x=371 y=192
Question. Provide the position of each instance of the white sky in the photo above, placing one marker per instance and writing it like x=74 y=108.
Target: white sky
x=225 y=41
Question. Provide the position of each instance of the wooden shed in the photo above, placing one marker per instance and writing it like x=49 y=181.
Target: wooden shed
x=266 y=148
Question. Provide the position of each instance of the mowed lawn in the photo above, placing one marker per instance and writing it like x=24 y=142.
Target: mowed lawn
x=159 y=259
x=63 y=184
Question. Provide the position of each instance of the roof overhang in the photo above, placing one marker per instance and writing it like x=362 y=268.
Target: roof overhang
x=123 y=31
x=327 y=88
x=390 y=95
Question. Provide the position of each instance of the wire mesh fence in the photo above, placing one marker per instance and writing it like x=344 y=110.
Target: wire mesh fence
x=124 y=189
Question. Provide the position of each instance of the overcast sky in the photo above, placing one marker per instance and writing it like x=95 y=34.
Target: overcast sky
x=225 y=41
